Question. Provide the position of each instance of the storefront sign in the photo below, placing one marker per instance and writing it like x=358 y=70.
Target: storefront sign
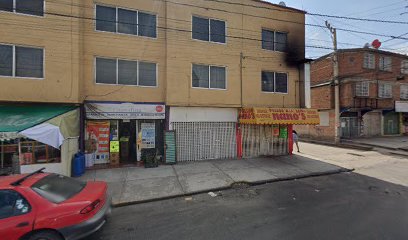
x=97 y=136
x=148 y=135
x=282 y=116
x=401 y=106
x=114 y=146
x=124 y=111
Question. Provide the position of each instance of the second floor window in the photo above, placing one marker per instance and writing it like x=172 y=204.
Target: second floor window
x=362 y=89
x=30 y=7
x=274 y=41
x=385 y=90
x=19 y=61
x=211 y=77
x=404 y=67
x=125 y=21
x=274 y=82
x=404 y=92
x=211 y=30
x=369 y=61
x=125 y=72
x=385 y=64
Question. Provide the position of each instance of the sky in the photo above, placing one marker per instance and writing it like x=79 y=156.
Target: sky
x=392 y=10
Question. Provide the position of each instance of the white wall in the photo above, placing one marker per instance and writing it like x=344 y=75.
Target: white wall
x=201 y=114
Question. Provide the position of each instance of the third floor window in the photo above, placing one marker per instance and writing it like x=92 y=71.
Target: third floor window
x=274 y=41
x=404 y=67
x=118 y=20
x=30 y=7
x=369 y=61
x=210 y=30
x=385 y=64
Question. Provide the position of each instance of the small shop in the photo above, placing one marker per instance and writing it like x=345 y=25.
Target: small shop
x=121 y=134
x=33 y=137
x=402 y=108
x=268 y=131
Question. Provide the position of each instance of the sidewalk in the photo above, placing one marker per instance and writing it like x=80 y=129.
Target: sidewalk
x=392 y=143
x=136 y=185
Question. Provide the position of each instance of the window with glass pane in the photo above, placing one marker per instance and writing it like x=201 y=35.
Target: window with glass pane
x=404 y=67
x=6 y=5
x=281 y=41
x=201 y=76
x=127 y=72
x=32 y=7
x=106 y=71
x=147 y=25
x=369 y=61
x=127 y=21
x=6 y=60
x=217 y=77
x=147 y=74
x=267 y=39
x=268 y=81
x=362 y=89
x=404 y=92
x=217 y=28
x=29 y=62
x=385 y=91
x=105 y=19
x=281 y=83
x=201 y=29
x=385 y=63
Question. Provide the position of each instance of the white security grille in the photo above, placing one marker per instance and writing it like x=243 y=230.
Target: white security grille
x=205 y=140
x=259 y=140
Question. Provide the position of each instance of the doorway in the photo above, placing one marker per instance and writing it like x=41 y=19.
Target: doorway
x=127 y=140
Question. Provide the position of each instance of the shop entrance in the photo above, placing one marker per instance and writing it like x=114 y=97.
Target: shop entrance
x=127 y=141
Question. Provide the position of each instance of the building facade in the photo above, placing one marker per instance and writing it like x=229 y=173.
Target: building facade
x=137 y=68
x=373 y=94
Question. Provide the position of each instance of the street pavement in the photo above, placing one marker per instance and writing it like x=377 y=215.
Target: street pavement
x=340 y=206
x=378 y=164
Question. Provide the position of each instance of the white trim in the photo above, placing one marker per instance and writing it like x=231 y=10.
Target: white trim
x=209 y=77
x=209 y=30
x=117 y=21
x=117 y=72
x=14 y=65
x=274 y=82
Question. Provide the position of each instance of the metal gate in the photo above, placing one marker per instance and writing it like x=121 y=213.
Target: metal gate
x=391 y=123
x=259 y=140
x=205 y=140
x=349 y=127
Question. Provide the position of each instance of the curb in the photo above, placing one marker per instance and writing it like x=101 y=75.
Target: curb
x=341 y=145
x=256 y=183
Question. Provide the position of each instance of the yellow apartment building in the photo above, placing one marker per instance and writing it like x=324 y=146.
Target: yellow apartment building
x=136 y=68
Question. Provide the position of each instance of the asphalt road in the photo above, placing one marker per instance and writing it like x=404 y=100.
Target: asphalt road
x=341 y=206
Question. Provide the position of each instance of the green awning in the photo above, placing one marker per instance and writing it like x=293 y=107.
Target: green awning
x=16 y=118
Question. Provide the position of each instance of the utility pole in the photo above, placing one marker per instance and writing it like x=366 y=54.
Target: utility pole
x=336 y=84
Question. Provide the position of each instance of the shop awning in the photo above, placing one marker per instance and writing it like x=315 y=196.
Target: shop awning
x=46 y=124
x=283 y=116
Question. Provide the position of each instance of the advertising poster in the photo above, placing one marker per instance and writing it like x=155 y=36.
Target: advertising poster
x=148 y=135
x=283 y=133
x=97 y=136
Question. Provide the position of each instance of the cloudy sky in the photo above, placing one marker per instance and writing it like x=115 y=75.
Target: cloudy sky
x=392 y=10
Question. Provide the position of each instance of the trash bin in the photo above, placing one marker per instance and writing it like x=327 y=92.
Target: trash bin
x=78 y=165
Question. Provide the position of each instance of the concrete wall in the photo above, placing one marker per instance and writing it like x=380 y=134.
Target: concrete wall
x=318 y=132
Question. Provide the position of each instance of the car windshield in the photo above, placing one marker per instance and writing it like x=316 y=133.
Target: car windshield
x=58 y=188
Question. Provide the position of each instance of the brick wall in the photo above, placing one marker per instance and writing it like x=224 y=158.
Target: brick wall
x=323 y=97
x=325 y=133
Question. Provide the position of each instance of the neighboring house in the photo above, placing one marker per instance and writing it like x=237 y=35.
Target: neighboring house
x=137 y=68
x=373 y=94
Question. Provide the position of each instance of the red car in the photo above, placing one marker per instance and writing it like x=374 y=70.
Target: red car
x=44 y=206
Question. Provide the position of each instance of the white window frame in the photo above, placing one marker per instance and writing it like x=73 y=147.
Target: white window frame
x=360 y=89
x=385 y=90
x=117 y=72
x=274 y=40
x=383 y=65
x=209 y=77
x=14 y=62
x=369 y=61
x=25 y=14
x=137 y=20
x=274 y=82
x=404 y=67
x=404 y=91
x=209 y=30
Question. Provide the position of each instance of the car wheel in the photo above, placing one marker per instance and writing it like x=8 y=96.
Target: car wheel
x=45 y=235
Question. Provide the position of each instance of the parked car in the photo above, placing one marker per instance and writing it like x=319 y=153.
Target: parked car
x=46 y=206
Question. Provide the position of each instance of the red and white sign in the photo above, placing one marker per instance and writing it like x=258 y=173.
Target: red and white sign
x=124 y=111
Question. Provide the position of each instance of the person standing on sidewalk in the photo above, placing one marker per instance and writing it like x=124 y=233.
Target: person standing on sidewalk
x=296 y=139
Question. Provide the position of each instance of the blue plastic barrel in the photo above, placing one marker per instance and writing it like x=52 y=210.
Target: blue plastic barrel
x=78 y=165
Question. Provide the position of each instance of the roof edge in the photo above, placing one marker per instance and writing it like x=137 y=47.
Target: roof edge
x=280 y=6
